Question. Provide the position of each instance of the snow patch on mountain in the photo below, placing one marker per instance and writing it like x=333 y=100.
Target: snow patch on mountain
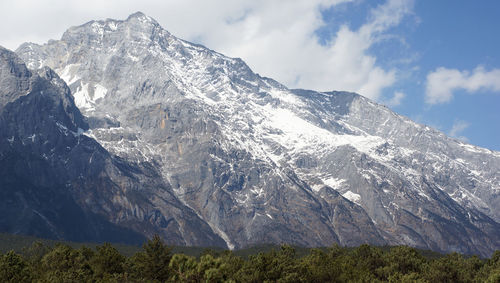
x=69 y=73
x=87 y=95
x=352 y=196
x=333 y=182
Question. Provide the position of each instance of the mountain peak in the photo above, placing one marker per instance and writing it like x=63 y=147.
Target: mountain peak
x=15 y=78
x=92 y=31
x=137 y=14
x=141 y=17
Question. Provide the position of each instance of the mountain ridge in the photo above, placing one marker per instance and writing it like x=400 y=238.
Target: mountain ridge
x=63 y=182
x=261 y=163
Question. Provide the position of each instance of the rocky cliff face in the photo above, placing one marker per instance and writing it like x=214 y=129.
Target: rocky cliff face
x=56 y=182
x=256 y=162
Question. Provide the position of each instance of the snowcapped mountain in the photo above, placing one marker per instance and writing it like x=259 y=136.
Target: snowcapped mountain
x=256 y=162
x=56 y=182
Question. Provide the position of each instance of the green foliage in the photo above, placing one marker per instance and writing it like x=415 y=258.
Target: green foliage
x=402 y=264
x=13 y=268
x=156 y=263
x=152 y=263
x=453 y=268
x=273 y=266
x=65 y=264
x=33 y=255
x=184 y=268
x=321 y=266
x=490 y=271
x=107 y=262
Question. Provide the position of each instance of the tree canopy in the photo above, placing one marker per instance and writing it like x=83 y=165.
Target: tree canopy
x=156 y=263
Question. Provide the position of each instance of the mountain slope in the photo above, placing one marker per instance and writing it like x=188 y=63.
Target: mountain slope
x=56 y=182
x=261 y=163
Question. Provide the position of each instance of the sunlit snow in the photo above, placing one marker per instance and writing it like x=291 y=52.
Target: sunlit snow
x=352 y=196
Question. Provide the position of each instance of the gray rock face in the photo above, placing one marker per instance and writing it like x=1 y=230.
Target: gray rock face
x=15 y=78
x=56 y=182
x=261 y=163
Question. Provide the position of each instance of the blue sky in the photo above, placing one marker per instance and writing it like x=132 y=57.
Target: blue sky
x=459 y=35
x=436 y=62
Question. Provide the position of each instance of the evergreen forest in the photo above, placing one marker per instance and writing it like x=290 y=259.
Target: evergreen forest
x=156 y=262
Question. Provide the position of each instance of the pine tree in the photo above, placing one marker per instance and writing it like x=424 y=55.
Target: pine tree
x=153 y=262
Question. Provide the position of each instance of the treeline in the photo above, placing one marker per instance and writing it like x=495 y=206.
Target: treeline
x=156 y=263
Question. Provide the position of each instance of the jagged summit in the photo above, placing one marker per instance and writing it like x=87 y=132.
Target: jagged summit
x=141 y=17
x=260 y=163
x=136 y=27
x=15 y=78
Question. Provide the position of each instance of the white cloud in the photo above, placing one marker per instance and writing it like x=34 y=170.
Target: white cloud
x=396 y=99
x=443 y=82
x=276 y=38
x=457 y=128
x=288 y=50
